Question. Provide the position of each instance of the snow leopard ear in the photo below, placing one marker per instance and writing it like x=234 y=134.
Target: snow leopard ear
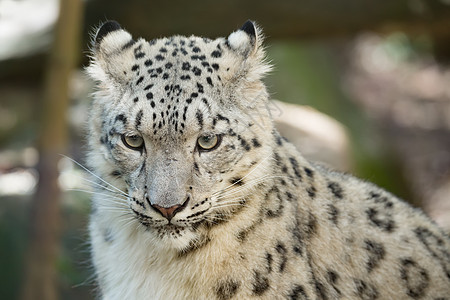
x=245 y=40
x=104 y=29
x=111 y=58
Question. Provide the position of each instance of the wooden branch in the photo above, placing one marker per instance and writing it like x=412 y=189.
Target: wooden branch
x=45 y=225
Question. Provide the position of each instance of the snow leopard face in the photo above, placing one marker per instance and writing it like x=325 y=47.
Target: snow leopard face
x=178 y=126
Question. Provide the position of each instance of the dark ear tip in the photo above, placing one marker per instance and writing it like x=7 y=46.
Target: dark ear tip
x=249 y=28
x=106 y=28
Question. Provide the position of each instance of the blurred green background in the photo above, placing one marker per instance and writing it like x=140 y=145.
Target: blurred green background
x=380 y=68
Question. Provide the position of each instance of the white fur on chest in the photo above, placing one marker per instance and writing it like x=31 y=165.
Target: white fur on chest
x=133 y=266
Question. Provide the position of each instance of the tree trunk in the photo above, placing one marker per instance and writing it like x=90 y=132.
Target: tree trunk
x=40 y=280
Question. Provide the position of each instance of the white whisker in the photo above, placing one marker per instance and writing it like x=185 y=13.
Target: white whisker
x=96 y=176
x=228 y=205
x=248 y=174
x=97 y=193
x=115 y=209
x=249 y=185
x=99 y=185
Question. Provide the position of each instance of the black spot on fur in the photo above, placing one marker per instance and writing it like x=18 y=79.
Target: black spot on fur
x=376 y=253
x=216 y=54
x=311 y=191
x=215 y=66
x=311 y=226
x=278 y=138
x=333 y=214
x=194 y=245
x=269 y=260
x=226 y=289
x=139 y=55
x=186 y=66
x=260 y=284
x=148 y=63
x=309 y=172
x=219 y=117
x=381 y=200
x=385 y=222
x=244 y=143
x=243 y=234
x=208 y=79
x=137 y=122
x=298 y=293
x=199 y=117
x=129 y=44
x=273 y=197
x=365 y=291
x=236 y=181
x=149 y=96
x=140 y=80
x=332 y=278
x=201 y=91
x=320 y=290
x=121 y=118
x=295 y=167
x=281 y=249
x=436 y=247
x=298 y=238
x=415 y=278
x=335 y=189
x=198 y=57
x=256 y=143
x=116 y=173
x=196 y=71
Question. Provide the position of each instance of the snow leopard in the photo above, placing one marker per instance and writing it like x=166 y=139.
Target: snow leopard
x=198 y=196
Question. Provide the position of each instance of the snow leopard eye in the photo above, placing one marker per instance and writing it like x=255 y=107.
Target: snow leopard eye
x=134 y=142
x=208 y=142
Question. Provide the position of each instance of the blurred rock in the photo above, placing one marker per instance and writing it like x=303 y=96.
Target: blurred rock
x=317 y=136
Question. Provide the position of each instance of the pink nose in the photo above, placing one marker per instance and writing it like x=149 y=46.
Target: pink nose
x=168 y=212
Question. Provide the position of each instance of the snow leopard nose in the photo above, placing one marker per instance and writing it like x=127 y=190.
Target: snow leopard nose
x=169 y=212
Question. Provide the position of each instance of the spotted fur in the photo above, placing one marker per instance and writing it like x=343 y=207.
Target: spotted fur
x=201 y=198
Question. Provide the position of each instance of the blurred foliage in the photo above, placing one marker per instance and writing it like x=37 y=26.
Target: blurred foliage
x=73 y=266
x=309 y=74
x=13 y=215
